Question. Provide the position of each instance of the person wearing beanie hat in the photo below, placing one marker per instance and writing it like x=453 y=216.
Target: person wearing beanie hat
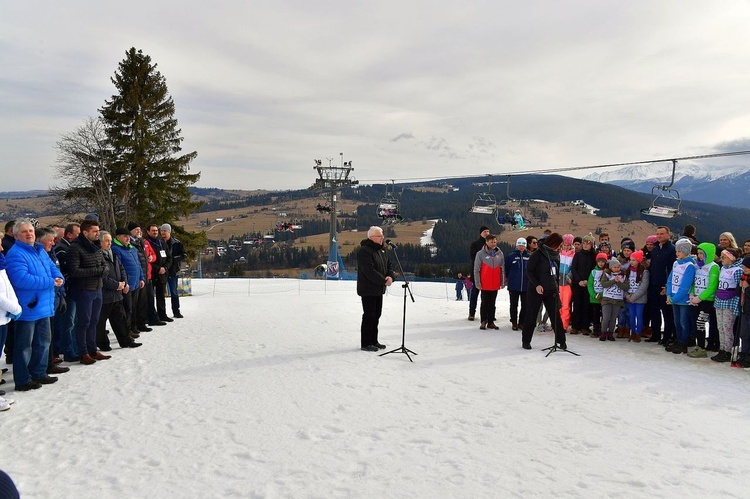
x=679 y=283
x=122 y=231
x=577 y=243
x=746 y=263
x=652 y=239
x=614 y=284
x=176 y=250
x=475 y=247
x=566 y=291
x=606 y=248
x=145 y=295
x=543 y=271
x=705 y=285
x=516 y=263
x=595 y=290
x=583 y=263
x=684 y=245
x=637 y=256
x=636 y=295
x=629 y=244
x=727 y=302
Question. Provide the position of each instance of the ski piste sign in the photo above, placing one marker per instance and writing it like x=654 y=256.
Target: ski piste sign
x=333 y=269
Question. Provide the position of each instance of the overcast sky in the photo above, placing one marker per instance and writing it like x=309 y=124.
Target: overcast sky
x=405 y=89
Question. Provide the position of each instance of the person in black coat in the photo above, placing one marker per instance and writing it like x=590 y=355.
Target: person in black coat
x=544 y=271
x=115 y=285
x=159 y=270
x=663 y=255
x=374 y=273
x=177 y=252
x=583 y=263
x=86 y=268
x=517 y=281
x=475 y=247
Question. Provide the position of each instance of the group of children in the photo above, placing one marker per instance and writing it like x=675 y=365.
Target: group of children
x=697 y=288
x=702 y=289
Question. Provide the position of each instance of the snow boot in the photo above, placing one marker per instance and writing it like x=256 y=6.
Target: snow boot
x=610 y=336
x=603 y=337
x=722 y=356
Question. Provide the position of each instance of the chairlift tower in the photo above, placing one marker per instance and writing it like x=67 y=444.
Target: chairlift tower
x=330 y=180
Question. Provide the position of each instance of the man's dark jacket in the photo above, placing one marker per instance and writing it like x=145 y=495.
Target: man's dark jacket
x=85 y=264
x=115 y=275
x=662 y=258
x=540 y=269
x=583 y=263
x=475 y=247
x=373 y=266
x=177 y=250
x=158 y=245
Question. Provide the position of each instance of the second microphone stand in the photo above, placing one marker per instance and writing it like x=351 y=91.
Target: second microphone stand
x=405 y=285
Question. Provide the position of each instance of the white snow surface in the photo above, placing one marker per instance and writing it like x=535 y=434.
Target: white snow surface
x=262 y=391
x=426 y=239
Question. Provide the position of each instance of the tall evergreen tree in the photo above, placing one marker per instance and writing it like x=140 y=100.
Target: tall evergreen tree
x=149 y=176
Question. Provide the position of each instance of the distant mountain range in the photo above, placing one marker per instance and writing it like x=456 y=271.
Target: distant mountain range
x=722 y=185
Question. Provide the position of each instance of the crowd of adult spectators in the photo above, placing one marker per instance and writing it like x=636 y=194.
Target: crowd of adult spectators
x=62 y=289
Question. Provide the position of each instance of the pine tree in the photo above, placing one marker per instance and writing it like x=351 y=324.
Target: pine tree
x=149 y=177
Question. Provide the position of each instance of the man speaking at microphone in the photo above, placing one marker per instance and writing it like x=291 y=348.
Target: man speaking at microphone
x=374 y=273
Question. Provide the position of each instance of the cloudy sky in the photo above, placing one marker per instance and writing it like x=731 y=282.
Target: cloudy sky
x=405 y=89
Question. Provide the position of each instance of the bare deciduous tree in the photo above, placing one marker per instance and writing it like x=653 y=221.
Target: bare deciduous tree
x=83 y=171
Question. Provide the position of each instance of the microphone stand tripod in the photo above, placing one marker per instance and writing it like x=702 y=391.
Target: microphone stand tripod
x=555 y=347
x=402 y=348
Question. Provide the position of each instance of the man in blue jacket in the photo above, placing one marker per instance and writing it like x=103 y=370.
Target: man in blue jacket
x=34 y=278
x=128 y=256
x=518 y=282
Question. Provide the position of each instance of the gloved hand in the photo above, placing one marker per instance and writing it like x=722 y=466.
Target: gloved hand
x=63 y=306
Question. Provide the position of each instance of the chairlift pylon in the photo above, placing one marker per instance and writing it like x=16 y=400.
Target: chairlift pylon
x=666 y=201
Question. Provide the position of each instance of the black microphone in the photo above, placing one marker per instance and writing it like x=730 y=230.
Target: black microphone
x=389 y=243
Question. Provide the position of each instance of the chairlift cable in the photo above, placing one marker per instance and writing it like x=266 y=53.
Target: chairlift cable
x=563 y=169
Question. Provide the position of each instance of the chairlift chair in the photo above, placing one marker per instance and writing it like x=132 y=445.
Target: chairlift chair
x=388 y=209
x=485 y=203
x=666 y=201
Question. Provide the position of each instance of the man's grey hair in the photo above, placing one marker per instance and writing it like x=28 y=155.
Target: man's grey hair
x=374 y=230
x=19 y=224
x=103 y=233
x=42 y=233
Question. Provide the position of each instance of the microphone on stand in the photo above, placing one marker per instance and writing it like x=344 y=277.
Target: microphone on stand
x=389 y=243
